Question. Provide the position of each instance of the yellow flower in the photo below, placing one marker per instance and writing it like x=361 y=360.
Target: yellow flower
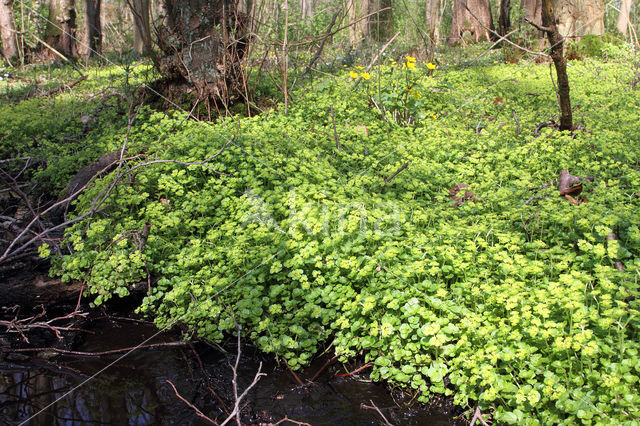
x=410 y=59
x=411 y=65
x=353 y=74
x=365 y=75
x=358 y=67
x=431 y=66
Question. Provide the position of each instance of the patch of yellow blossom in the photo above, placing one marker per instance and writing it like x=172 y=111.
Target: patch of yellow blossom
x=353 y=74
x=410 y=62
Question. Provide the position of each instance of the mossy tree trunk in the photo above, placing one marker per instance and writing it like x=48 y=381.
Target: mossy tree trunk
x=202 y=44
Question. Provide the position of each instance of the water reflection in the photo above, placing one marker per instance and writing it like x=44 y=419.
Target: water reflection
x=134 y=391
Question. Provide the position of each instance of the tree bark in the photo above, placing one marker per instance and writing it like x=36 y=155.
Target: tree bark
x=7 y=30
x=93 y=27
x=307 y=9
x=472 y=16
x=623 y=16
x=141 y=27
x=433 y=18
x=203 y=43
x=556 y=50
x=358 y=30
x=61 y=27
x=504 y=19
x=532 y=10
x=577 y=18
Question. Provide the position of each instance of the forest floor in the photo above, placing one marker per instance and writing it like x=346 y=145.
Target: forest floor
x=426 y=221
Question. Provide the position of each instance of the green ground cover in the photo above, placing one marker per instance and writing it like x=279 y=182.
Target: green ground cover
x=510 y=301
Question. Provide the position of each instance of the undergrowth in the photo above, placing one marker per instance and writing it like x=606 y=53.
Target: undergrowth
x=509 y=300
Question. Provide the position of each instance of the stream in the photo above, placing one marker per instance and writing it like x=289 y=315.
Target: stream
x=134 y=389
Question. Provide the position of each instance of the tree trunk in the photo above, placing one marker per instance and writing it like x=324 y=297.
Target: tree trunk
x=93 y=27
x=358 y=30
x=7 y=30
x=203 y=43
x=556 y=50
x=577 y=18
x=504 y=19
x=141 y=27
x=381 y=24
x=61 y=27
x=623 y=17
x=433 y=19
x=307 y=9
x=473 y=17
x=532 y=10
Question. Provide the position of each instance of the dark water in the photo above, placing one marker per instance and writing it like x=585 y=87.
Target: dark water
x=44 y=389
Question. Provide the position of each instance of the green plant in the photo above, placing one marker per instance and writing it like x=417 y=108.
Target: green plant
x=510 y=301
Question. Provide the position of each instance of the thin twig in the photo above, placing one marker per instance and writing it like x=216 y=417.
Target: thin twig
x=193 y=407
x=373 y=407
x=335 y=131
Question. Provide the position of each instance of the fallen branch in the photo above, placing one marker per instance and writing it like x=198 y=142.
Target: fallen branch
x=98 y=354
x=404 y=166
x=60 y=88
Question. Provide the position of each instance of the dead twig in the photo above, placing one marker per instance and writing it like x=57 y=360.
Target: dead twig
x=477 y=415
x=235 y=414
x=287 y=419
x=404 y=166
x=374 y=407
x=193 y=407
